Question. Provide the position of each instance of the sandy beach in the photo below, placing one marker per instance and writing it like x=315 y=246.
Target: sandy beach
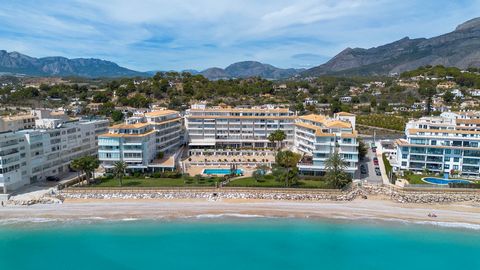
x=461 y=215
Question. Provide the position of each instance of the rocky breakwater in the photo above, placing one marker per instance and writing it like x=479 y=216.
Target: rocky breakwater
x=41 y=200
x=425 y=196
x=264 y=194
x=435 y=197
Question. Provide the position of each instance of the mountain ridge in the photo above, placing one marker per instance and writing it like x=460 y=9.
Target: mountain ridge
x=17 y=63
x=459 y=48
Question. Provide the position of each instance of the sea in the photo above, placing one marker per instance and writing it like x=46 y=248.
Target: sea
x=237 y=242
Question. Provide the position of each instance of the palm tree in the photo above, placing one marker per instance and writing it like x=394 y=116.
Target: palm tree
x=336 y=174
x=277 y=137
x=288 y=160
x=119 y=169
x=86 y=165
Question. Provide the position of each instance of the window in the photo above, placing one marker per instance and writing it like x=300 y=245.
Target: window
x=455 y=167
x=446 y=166
x=404 y=156
x=456 y=159
x=448 y=151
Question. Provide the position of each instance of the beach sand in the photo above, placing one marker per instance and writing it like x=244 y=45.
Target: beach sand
x=373 y=208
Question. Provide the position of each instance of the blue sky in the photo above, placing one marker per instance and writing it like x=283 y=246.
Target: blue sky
x=163 y=35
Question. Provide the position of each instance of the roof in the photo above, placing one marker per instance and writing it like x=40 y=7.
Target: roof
x=129 y=126
x=319 y=133
x=306 y=125
x=440 y=131
x=238 y=117
x=18 y=117
x=354 y=134
x=314 y=117
x=345 y=114
x=120 y=135
x=260 y=110
x=176 y=119
x=468 y=121
x=338 y=124
x=160 y=113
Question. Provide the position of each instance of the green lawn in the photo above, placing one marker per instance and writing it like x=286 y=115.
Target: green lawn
x=416 y=179
x=271 y=182
x=158 y=182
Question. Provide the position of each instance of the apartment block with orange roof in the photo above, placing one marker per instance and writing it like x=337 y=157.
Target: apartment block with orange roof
x=318 y=136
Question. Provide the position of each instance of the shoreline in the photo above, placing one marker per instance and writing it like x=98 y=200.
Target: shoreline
x=462 y=215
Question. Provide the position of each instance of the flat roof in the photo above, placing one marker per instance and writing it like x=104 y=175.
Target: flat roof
x=160 y=113
x=129 y=126
x=314 y=117
x=121 y=135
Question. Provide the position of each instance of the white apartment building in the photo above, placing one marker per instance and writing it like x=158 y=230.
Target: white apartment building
x=318 y=136
x=139 y=141
x=441 y=144
x=17 y=122
x=224 y=127
x=27 y=121
x=31 y=155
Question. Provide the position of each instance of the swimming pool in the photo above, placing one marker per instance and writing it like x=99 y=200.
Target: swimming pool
x=221 y=171
x=440 y=181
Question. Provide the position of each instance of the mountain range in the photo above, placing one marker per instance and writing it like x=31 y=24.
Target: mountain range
x=247 y=69
x=244 y=69
x=17 y=63
x=460 y=48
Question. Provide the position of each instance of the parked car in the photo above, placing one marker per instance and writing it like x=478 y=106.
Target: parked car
x=377 y=171
x=374 y=149
x=53 y=178
x=363 y=169
x=375 y=161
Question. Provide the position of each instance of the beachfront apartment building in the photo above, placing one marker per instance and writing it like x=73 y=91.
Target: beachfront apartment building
x=140 y=140
x=224 y=127
x=32 y=155
x=318 y=136
x=450 y=142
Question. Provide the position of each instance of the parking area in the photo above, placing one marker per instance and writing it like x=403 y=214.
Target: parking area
x=370 y=176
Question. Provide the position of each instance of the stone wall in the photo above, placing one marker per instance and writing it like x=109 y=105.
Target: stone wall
x=400 y=195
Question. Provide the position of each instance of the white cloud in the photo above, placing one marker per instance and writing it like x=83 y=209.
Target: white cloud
x=161 y=34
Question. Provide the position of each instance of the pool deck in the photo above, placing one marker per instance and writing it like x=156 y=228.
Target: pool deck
x=198 y=169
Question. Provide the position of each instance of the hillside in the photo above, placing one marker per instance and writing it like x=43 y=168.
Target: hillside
x=460 y=48
x=248 y=69
x=17 y=63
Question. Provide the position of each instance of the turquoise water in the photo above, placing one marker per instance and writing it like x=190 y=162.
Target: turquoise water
x=237 y=244
x=221 y=171
x=440 y=181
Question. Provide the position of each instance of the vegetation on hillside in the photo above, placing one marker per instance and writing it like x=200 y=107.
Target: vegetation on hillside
x=383 y=121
